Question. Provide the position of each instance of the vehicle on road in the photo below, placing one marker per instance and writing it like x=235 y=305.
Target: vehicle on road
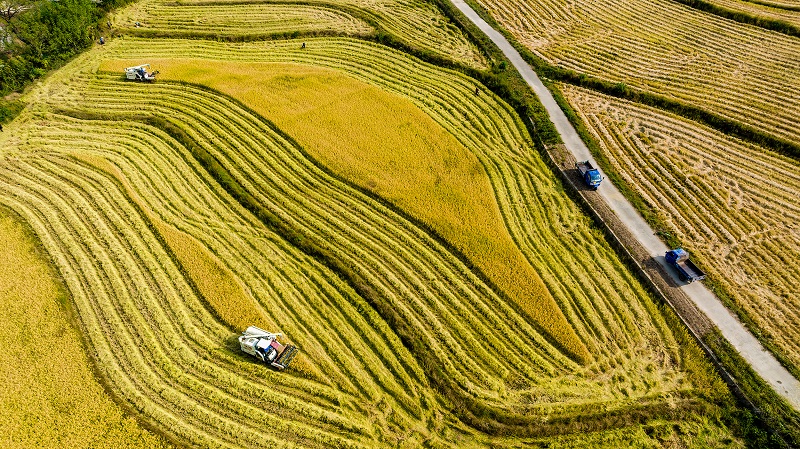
x=591 y=176
x=687 y=270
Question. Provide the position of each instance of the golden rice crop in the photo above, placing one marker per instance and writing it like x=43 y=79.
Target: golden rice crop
x=50 y=396
x=388 y=145
x=357 y=385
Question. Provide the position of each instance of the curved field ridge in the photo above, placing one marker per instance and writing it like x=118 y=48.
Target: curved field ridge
x=417 y=22
x=739 y=71
x=734 y=205
x=86 y=166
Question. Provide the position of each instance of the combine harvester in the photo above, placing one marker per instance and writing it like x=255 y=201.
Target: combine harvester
x=140 y=73
x=264 y=346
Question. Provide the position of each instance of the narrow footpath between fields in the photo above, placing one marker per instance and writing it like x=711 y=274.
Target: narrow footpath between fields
x=763 y=362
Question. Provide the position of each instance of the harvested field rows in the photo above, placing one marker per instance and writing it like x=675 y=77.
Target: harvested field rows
x=792 y=5
x=239 y=20
x=734 y=205
x=762 y=10
x=450 y=193
x=738 y=71
x=523 y=185
x=43 y=385
x=95 y=191
x=178 y=370
x=416 y=22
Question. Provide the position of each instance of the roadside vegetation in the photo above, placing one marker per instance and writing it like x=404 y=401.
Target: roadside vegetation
x=37 y=36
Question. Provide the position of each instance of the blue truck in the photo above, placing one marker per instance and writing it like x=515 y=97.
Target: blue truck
x=591 y=176
x=687 y=270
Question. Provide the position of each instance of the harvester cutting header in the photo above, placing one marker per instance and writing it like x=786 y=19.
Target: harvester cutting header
x=264 y=346
x=141 y=73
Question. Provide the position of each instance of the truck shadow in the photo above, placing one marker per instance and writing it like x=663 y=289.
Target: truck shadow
x=668 y=273
x=577 y=180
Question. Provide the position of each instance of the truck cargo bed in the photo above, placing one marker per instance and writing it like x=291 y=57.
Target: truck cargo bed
x=691 y=272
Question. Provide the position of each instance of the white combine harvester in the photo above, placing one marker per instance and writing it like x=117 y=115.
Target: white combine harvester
x=264 y=346
x=140 y=73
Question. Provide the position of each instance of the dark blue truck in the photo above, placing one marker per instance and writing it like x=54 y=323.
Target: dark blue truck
x=591 y=176
x=687 y=270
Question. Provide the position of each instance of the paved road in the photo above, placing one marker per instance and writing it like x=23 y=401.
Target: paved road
x=763 y=362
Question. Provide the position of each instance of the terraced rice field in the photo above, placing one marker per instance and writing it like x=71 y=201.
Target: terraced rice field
x=50 y=397
x=741 y=72
x=449 y=192
x=416 y=22
x=407 y=351
x=734 y=205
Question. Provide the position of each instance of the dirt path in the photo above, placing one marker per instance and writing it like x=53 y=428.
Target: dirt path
x=761 y=361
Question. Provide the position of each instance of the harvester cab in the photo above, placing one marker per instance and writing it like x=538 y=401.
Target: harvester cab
x=265 y=347
x=140 y=73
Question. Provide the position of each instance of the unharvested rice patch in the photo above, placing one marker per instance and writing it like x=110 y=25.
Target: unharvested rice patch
x=51 y=382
